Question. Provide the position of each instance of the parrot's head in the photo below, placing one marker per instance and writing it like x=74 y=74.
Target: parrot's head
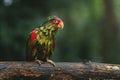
x=54 y=20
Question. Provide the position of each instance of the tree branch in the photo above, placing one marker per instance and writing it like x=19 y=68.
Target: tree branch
x=62 y=71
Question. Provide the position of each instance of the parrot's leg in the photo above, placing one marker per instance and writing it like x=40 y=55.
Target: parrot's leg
x=38 y=61
x=51 y=62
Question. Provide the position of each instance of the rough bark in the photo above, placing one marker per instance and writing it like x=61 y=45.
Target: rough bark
x=62 y=71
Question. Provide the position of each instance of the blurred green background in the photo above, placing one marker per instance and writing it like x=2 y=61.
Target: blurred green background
x=92 y=28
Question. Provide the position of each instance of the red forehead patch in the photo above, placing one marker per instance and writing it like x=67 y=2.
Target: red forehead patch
x=58 y=20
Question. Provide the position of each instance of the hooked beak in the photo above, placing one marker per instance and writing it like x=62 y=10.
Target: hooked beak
x=60 y=25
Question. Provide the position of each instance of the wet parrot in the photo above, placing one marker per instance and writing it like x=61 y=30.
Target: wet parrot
x=42 y=41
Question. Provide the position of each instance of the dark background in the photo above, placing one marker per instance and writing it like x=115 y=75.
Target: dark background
x=91 y=28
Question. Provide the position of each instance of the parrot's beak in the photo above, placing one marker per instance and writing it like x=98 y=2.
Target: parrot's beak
x=60 y=25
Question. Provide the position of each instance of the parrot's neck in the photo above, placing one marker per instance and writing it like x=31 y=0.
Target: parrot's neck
x=49 y=29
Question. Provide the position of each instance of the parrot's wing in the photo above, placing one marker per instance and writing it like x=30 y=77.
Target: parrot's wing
x=28 y=50
x=30 y=46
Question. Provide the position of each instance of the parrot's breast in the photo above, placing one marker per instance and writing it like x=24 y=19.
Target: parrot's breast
x=45 y=44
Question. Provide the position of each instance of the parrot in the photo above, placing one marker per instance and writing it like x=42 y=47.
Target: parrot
x=41 y=41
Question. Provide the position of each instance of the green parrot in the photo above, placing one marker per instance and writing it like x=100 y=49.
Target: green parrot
x=41 y=42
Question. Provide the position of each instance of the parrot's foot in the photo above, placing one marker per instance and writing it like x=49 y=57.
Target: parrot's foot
x=38 y=61
x=51 y=62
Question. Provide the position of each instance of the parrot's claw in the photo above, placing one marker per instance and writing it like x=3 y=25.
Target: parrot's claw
x=38 y=61
x=51 y=62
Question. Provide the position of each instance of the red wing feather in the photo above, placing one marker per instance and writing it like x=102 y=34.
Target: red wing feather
x=33 y=35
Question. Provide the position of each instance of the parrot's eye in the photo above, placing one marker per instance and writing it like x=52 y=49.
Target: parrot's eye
x=55 y=21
